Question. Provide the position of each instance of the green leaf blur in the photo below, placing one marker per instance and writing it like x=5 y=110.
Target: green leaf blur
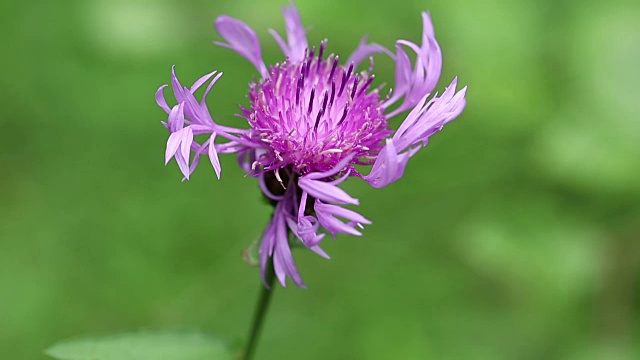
x=142 y=346
x=513 y=235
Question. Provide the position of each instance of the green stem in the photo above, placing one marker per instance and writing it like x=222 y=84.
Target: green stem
x=261 y=311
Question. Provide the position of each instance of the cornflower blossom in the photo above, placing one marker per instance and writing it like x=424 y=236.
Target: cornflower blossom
x=312 y=120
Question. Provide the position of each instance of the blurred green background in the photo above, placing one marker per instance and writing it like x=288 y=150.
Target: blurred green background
x=513 y=235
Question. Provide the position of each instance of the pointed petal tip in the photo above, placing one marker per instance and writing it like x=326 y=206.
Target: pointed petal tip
x=291 y=7
x=427 y=23
x=221 y=20
x=160 y=100
x=298 y=281
x=222 y=44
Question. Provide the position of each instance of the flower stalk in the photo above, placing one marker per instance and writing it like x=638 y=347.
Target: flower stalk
x=261 y=311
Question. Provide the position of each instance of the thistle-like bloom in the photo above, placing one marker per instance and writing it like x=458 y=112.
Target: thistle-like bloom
x=313 y=119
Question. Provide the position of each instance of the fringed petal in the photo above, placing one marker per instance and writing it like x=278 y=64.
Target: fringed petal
x=328 y=217
x=402 y=76
x=365 y=50
x=195 y=115
x=389 y=166
x=306 y=227
x=306 y=231
x=241 y=39
x=297 y=44
x=427 y=118
x=275 y=243
x=414 y=85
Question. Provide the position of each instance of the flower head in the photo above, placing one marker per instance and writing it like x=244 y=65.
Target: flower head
x=312 y=119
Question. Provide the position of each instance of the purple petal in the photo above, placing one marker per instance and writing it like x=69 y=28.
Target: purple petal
x=281 y=43
x=173 y=143
x=414 y=85
x=296 y=35
x=176 y=118
x=434 y=65
x=160 y=100
x=365 y=50
x=280 y=236
x=283 y=262
x=306 y=227
x=183 y=164
x=402 y=77
x=245 y=158
x=327 y=216
x=303 y=204
x=178 y=90
x=266 y=250
x=411 y=120
x=196 y=115
x=195 y=111
x=316 y=249
x=213 y=156
x=427 y=119
x=389 y=166
x=198 y=150
x=306 y=230
x=206 y=92
x=196 y=85
x=187 y=139
x=241 y=39
x=275 y=243
x=328 y=191
x=336 y=210
x=325 y=191
x=263 y=185
x=336 y=169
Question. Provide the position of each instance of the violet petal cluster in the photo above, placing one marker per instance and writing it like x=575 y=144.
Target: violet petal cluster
x=313 y=123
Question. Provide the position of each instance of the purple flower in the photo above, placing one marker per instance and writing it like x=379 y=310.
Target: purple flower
x=312 y=120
